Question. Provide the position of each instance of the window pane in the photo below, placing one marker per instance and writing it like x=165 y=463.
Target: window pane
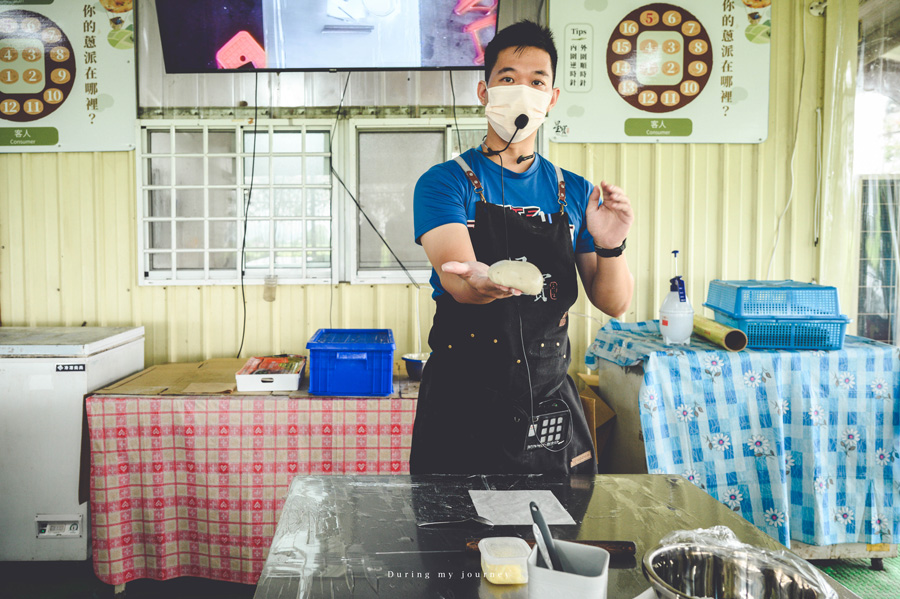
x=222 y=202
x=257 y=260
x=470 y=139
x=160 y=261
x=188 y=260
x=289 y=233
x=289 y=259
x=262 y=142
x=286 y=169
x=159 y=142
x=160 y=202
x=259 y=202
x=160 y=236
x=221 y=142
x=317 y=141
x=188 y=171
x=257 y=234
x=222 y=234
x=318 y=233
x=189 y=202
x=259 y=174
x=188 y=142
x=287 y=142
x=189 y=235
x=289 y=202
x=223 y=260
x=387 y=178
x=159 y=171
x=318 y=259
x=317 y=170
x=318 y=202
x=222 y=171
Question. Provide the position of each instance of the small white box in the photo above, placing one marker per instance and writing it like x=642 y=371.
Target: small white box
x=503 y=559
x=281 y=373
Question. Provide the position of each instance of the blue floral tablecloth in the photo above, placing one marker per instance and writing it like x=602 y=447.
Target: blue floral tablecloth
x=804 y=444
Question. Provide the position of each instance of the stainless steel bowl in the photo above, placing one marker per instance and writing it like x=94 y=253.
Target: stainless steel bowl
x=693 y=571
x=415 y=364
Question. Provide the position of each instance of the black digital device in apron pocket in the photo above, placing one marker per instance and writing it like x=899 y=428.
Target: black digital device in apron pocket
x=495 y=395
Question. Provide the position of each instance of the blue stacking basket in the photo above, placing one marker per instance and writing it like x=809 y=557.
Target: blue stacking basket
x=351 y=362
x=780 y=314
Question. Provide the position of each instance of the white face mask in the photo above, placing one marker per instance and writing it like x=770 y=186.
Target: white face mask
x=505 y=104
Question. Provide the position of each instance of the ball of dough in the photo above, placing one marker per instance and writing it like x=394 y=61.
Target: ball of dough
x=523 y=276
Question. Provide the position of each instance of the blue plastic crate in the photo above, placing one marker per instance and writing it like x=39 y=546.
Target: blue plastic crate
x=351 y=362
x=804 y=332
x=743 y=299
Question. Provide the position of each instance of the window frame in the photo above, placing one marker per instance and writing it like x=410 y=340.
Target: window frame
x=344 y=159
x=349 y=217
x=893 y=310
x=207 y=276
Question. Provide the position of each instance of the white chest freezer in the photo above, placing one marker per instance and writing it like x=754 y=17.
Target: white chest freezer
x=45 y=372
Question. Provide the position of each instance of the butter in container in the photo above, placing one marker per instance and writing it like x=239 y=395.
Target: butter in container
x=504 y=559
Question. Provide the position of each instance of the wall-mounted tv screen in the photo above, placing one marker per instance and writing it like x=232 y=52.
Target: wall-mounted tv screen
x=203 y=36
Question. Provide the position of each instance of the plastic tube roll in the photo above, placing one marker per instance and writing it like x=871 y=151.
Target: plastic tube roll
x=729 y=338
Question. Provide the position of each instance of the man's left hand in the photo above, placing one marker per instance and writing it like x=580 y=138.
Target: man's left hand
x=610 y=221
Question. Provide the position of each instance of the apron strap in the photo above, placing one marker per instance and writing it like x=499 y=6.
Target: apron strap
x=470 y=175
x=479 y=188
x=561 y=187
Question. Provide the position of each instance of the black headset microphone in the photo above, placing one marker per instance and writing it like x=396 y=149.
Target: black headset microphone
x=521 y=122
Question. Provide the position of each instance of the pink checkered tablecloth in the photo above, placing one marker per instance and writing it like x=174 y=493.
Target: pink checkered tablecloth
x=194 y=485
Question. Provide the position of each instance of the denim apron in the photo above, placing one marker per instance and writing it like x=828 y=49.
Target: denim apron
x=495 y=395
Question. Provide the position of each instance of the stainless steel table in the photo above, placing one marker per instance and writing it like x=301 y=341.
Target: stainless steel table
x=350 y=536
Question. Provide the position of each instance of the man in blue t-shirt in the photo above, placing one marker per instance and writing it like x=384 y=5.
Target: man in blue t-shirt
x=495 y=394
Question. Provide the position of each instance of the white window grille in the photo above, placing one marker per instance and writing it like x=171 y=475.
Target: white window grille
x=196 y=180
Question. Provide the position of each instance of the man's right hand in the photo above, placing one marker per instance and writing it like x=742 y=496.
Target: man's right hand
x=475 y=275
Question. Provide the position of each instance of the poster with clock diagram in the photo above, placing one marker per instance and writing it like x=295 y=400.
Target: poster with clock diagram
x=67 y=79
x=670 y=72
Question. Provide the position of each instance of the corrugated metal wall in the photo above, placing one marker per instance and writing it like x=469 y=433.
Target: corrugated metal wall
x=68 y=232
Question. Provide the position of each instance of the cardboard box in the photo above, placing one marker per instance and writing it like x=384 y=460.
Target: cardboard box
x=270 y=373
x=212 y=377
x=599 y=415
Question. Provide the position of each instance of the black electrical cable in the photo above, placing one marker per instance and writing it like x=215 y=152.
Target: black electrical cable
x=453 y=96
x=521 y=122
x=358 y=206
x=374 y=228
x=337 y=116
x=247 y=208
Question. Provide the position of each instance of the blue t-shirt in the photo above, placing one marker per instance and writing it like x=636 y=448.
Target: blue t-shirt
x=444 y=195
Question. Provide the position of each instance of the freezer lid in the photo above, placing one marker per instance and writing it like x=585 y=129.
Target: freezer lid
x=80 y=342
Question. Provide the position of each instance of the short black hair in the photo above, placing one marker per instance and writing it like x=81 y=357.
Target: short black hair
x=521 y=35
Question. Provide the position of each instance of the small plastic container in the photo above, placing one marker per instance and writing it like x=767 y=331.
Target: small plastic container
x=589 y=577
x=504 y=559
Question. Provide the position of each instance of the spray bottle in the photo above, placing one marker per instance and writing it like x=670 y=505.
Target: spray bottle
x=676 y=316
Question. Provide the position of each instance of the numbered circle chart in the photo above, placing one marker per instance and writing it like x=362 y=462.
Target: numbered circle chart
x=37 y=66
x=659 y=58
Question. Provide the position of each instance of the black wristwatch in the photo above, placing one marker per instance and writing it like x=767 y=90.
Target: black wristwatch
x=611 y=253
